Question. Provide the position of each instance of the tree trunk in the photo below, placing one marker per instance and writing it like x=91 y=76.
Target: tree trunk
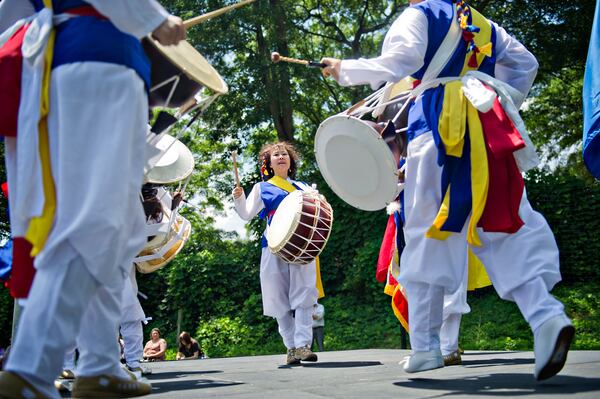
x=276 y=77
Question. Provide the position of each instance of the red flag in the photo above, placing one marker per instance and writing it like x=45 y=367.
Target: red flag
x=386 y=263
x=386 y=252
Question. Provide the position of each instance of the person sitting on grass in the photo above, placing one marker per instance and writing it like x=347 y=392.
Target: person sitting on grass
x=155 y=349
x=188 y=348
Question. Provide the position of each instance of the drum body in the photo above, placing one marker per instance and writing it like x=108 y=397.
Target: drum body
x=164 y=246
x=300 y=227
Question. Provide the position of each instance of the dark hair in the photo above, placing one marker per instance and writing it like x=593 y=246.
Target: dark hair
x=185 y=338
x=264 y=158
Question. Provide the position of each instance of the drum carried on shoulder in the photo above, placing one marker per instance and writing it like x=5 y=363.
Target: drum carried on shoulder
x=300 y=227
x=359 y=158
x=166 y=229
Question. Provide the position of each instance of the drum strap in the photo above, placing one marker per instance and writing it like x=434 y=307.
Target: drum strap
x=282 y=184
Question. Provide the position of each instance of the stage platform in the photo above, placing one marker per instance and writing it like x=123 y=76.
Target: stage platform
x=374 y=373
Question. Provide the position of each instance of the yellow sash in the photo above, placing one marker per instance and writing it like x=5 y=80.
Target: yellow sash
x=282 y=184
x=478 y=277
x=40 y=226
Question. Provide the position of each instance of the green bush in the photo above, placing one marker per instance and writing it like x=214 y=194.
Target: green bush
x=222 y=336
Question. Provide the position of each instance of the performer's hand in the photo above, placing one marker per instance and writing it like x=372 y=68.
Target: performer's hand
x=332 y=68
x=237 y=192
x=170 y=32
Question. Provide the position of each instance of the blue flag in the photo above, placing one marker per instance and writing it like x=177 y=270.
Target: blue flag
x=591 y=101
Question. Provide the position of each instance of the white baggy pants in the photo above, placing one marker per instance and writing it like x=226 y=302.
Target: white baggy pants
x=522 y=266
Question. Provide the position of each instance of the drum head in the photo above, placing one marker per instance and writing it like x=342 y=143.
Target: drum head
x=356 y=162
x=193 y=65
x=173 y=163
x=285 y=220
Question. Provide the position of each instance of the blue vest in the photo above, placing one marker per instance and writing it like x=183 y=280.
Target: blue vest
x=426 y=109
x=102 y=41
x=271 y=196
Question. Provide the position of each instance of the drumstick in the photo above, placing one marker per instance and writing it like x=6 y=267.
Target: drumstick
x=235 y=170
x=276 y=57
x=205 y=17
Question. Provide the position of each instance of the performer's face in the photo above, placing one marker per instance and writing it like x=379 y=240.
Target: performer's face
x=280 y=162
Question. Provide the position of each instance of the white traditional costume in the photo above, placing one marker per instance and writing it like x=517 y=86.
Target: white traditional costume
x=96 y=127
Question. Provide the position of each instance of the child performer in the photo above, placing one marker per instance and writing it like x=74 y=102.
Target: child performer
x=288 y=290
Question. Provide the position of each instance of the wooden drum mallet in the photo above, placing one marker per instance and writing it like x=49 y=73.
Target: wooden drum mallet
x=276 y=57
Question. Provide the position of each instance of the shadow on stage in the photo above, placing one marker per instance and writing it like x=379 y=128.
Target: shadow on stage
x=496 y=362
x=178 y=374
x=181 y=381
x=333 y=365
x=187 y=385
x=503 y=385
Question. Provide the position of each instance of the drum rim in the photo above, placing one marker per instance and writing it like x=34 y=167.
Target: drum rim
x=322 y=163
x=169 y=51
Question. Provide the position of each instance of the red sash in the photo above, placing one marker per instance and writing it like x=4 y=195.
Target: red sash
x=23 y=271
x=11 y=61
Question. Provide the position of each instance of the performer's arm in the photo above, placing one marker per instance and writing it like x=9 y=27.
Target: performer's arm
x=196 y=354
x=515 y=65
x=403 y=53
x=136 y=17
x=249 y=207
x=147 y=349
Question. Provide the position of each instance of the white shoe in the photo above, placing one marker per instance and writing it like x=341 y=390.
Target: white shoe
x=145 y=370
x=551 y=345
x=423 y=361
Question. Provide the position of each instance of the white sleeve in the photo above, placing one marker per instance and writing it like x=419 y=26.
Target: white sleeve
x=403 y=54
x=135 y=17
x=249 y=207
x=515 y=65
x=13 y=10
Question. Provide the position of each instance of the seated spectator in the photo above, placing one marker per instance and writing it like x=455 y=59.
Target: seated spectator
x=188 y=348
x=155 y=348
